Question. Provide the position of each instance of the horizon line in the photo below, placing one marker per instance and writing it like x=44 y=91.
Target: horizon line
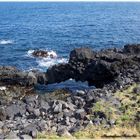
x=69 y=0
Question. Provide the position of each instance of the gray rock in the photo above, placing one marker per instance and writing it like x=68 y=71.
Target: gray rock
x=71 y=106
x=32 y=99
x=42 y=125
x=73 y=120
x=2 y=114
x=67 y=121
x=64 y=132
x=15 y=110
x=31 y=130
x=57 y=108
x=53 y=129
x=78 y=101
x=44 y=105
x=12 y=135
x=74 y=129
x=80 y=114
x=36 y=112
x=67 y=113
x=32 y=77
x=1 y=136
x=1 y=124
x=26 y=137
x=80 y=92
x=112 y=122
x=60 y=116
x=30 y=109
x=132 y=49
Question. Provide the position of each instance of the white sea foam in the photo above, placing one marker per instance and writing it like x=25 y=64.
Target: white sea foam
x=52 y=53
x=29 y=53
x=6 y=42
x=48 y=62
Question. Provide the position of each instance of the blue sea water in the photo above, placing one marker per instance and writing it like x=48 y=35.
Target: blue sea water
x=60 y=27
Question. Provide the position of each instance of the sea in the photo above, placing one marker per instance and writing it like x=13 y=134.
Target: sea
x=60 y=27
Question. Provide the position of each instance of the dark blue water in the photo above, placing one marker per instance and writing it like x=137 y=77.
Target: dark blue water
x=61 y=27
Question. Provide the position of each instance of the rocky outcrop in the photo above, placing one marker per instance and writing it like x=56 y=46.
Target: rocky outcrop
x=42 y=53
x=12 y=76
x=98 y=68
x=133 y=49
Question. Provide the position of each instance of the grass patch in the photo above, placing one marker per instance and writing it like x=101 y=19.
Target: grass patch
x=129 y=104
x=100 y=132
x=53 y=136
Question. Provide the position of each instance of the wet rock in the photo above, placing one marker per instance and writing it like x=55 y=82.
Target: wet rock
x=40 y=53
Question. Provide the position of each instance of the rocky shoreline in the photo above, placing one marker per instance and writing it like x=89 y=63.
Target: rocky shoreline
x=113 y=104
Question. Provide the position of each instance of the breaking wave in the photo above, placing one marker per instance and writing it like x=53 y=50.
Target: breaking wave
x=49 y=61
x=6 y=42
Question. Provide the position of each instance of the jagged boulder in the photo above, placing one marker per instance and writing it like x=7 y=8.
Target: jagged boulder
x=133 y=49
x=81 y=54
